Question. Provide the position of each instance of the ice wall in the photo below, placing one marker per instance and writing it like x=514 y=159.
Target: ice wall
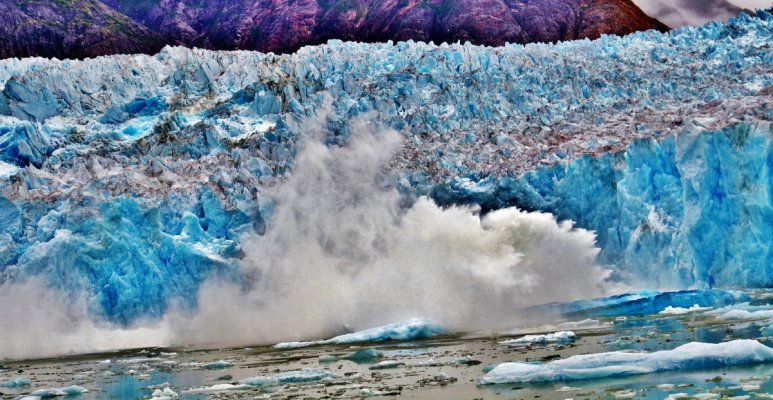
x=132 y=178
x=694 y=209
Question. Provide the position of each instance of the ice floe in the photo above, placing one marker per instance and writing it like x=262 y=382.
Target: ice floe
x=413 y=329
x=557 y=337
x=616 y=364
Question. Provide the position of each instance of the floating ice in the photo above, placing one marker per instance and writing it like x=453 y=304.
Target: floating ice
x=165 y=393
x=365 y=355
x=303 y=375
x=327 y=358
x=221 y=387
x=624 y=394
x=582 y=325
x=221 y=364
x=57 y=392
x=387 y=364
x=413 y=329
x=617 y=364
x=298 y=376
x=681 y=310
x=15 y=382
x=289 y=377
x=647 y=302
x=745 y=315
x=767 y=331
x=367 y=392
x=557 y=337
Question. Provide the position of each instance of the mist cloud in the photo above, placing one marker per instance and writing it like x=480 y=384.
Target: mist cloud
x=341 y=254
x=675 y=13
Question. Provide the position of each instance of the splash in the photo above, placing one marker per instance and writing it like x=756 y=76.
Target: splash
x=341 y=254
x=36 y=321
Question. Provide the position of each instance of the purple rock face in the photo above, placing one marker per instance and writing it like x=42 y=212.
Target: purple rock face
x=286 y=25
x=70 y=28
x=283 y=26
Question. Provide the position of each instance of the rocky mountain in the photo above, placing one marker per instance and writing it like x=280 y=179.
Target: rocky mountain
x=70 y=28
x=285 y=25
x=82 y=28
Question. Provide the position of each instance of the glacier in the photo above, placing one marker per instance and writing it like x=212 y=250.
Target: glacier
x=133 y=179
x=618 y=364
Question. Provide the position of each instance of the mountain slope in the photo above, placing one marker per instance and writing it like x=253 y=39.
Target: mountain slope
x=69 y=28
x=285 y=25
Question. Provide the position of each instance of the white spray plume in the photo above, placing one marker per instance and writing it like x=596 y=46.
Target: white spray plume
x=340 y=254
x=36 y=321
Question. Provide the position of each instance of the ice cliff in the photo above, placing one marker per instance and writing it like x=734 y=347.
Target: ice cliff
x=132 y=178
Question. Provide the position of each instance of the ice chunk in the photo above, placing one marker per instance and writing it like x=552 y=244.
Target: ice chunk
x=221 y=364
x=221 y=387
x=365 y=355
x=164 y=393
x=327 y=358
x=297 y=376
x=744 y=315
x=56 y=392
x=616 y=364
x=15 y=382
x=367 y=392
x=624 y=394
x=303 y=375
x=557 y=337
x=387 y=364
x=413 y=329
x=681 y=310
x=583 y=325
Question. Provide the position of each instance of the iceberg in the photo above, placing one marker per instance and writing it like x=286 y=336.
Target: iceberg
x=557 y=337
x=681 y=310
x=221 y=364
x=413 y=329
x=220 y=387
x=617 y=364
x=164 y=393
x=57 y=392
x=17 y=382
x=364 y=356
x=299 y=376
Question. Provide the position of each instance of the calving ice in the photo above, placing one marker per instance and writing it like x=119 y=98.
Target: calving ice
x=362 y=205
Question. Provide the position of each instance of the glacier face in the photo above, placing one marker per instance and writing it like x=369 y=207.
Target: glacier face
x=692 y=209
x=133 y=178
